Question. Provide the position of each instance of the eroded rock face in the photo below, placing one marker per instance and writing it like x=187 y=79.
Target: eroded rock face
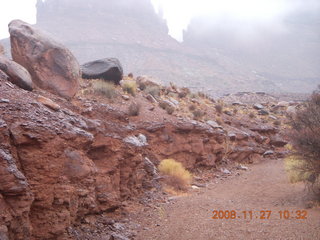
x=58 y=167
x=109 y=69
x=51 y=65
x=17 y=74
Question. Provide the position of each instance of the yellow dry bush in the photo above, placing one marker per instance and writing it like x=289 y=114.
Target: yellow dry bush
x=130 y=87
x=177 y=176
x=296 y=169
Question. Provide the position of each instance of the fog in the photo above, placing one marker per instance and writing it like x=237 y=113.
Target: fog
x=222 y=45
x=244 y=17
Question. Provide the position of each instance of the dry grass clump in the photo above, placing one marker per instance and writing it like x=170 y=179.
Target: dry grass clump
x=130 y=87
x=153 y=90
x=134 y=109
x=176 y=175
x=104 y=88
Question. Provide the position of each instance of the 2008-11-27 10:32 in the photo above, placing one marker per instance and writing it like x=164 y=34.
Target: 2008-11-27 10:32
x=261 y=214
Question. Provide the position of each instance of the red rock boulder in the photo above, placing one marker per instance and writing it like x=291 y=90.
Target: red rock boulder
x=52 y=66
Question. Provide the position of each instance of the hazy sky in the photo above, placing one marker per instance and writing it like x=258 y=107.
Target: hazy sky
x=16 y=9
x=179 y=12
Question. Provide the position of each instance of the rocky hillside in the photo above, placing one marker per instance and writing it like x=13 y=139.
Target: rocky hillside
x=132 y=32
x=68 y=160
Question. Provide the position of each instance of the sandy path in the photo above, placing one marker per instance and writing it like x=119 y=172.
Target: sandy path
x=263 y=187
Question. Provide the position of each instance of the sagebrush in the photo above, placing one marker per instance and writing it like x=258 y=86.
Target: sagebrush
x=176 y=175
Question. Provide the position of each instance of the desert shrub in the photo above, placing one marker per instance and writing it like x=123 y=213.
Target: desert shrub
x=218 y=108
x=134 y=109
x=104 y=88
x=197 y=114
x=170 y=109
x=166 y=106
x=219 y=120
x=252 y=115
x=192 y=107
x=305 y=140
x=277 y=123
x=183 y=92
x=130 y=87
x=153 y=90
x=142 y=86
x=176 y=175
x=163 y=104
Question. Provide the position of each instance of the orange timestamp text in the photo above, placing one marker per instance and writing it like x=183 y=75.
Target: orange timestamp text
x=260 y=214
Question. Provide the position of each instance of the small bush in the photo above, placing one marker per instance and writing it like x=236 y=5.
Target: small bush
x=218 y=108
x=183 y=92
x=277 y=123
x=130 y=87
x=134 y=109
x=305 y=139
x=176 y=175
x=153 y=90
x=192 y=107
x=219 y=120
x=197 y=114
x=104 y=88
x=170 y=109
x=252 y=115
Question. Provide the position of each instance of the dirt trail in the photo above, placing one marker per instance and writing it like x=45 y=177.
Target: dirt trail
x=263 y=187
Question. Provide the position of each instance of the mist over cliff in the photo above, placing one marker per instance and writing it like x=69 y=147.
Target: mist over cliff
x=215 y=56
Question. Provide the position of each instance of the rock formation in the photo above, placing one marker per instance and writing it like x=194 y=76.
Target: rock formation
x=51 y=65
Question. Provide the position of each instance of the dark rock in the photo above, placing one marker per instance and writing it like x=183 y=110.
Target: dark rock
x=263 y=112
x=51 y=65
x=109 y=69
x=17 y=74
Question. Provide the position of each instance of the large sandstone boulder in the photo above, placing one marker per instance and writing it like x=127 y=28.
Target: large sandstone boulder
x=17 y=74
x=51 y=65
x=109 y=69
